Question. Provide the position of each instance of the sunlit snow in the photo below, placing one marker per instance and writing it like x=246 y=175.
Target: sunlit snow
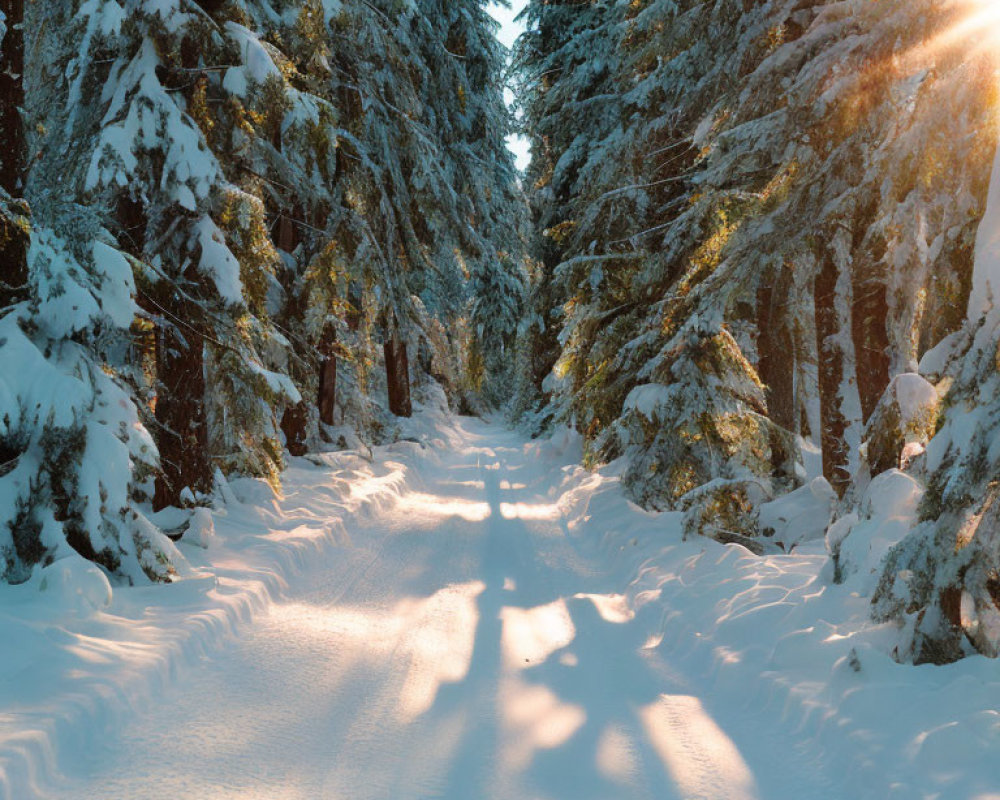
x=410 y=639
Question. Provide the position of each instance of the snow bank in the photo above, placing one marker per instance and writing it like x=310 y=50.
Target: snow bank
x=81 y=656
x=774 y=635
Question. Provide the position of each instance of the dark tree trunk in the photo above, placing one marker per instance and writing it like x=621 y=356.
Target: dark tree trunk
x=327 y=396
x=869 y=315
x=132 y=223
x=831 y=374
x=211 y=6
x=180 y=416
x=13 y=147
x=295 y=420
x=776 y=367
x=13 y=150
x=397 y=370
x=288 y=234
x=293 y=425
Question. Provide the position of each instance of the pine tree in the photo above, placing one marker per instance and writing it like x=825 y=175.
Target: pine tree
x=779 y=183
x=74 y=450
x=201 y=240
x=465 y=75
x=564 y=64
x=229 y=200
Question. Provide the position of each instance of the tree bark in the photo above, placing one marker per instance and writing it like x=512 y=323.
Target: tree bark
x=180 y=416
x=211 y=6
x=776 y=368
x=397 y=370
x=354 y=309
x=831 y=375
x=14 y=240
x=327 y=397
x=288 y=236
x=293 y=425
x=13 y=146
x=869 y=316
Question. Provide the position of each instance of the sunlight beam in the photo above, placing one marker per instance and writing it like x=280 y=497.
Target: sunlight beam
x=433 y=505
x=534 y=719
x=531 y=635
x=702 y=760
x=977 y=28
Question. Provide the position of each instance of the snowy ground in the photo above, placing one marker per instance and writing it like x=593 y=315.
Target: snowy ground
x=474 y=617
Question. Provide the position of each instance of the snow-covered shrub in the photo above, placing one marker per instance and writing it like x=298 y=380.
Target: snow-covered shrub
x=860 y=539
x=905 y=415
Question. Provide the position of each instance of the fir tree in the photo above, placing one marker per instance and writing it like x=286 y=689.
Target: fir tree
x=73 y=444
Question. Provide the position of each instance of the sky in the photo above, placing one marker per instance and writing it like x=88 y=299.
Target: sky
x=509 y=31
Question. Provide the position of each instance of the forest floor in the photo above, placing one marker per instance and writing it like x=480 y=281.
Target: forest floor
x=470 y=615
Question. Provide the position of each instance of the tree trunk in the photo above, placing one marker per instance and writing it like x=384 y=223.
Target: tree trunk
x=14 y=243
x=327 y=397
x=12 y=140
x=180 y=416
x=288 y=235
x=293 y=425
x=13 y=239
x=211 y=6
x=831 y=375
x=397 y=370
x=869 y=315
x=776 y=367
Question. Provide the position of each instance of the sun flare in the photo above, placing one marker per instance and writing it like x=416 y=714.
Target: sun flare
x=978 y=24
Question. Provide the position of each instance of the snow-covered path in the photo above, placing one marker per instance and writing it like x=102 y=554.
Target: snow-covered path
x=464 y=647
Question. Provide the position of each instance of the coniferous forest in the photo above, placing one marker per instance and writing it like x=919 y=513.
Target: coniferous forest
x=749 y=271
x=230 y=227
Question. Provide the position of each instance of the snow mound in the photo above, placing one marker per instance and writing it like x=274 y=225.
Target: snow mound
x=201 y=529
x=904 y=420
x=858 y=543
x=775 y=635
x=75 y=585
x=799 y=516
x=80 y=658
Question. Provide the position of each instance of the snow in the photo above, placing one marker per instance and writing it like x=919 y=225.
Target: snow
x=647 y=399
x=915 y=396
x=143 y=116
x=986 y=269
x=117 y=284
x=257 y=65
x=217 y=261
x=76 y=585
x=465 y=614
x=66 y=304
x=935 y=360
x=801 y=515
x=888 y=511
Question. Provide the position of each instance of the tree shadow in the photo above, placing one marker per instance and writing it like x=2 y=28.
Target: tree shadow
x=601 y=672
